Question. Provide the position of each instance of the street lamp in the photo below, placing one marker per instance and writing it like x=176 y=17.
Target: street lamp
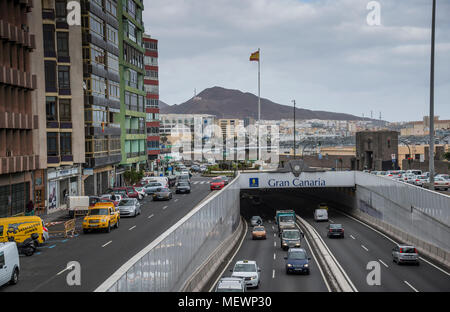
x=431 y=162
x=294 y=129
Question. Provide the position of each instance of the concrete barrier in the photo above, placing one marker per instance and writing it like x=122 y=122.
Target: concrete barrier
x=204 y=273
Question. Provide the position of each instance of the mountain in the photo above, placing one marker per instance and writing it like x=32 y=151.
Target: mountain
x=163 y=105
x=227 y=103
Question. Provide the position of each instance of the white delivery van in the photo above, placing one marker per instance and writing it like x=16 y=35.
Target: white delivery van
x=321 y=215
x=9 y=263
x=78 y=205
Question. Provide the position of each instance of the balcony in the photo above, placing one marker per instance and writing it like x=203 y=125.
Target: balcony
x=133 y=155
x=10 y=120
x=135 y=131
x=18 y=163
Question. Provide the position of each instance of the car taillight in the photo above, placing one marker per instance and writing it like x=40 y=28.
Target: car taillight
x=45 y=229
x=415 y=250
x=330 y=230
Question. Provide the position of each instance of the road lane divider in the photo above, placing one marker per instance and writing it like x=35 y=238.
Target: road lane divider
x=150 y=216
x=411 y=286
x=131 y=228
x=336 y=275
x=364 y=247
x=106 y=244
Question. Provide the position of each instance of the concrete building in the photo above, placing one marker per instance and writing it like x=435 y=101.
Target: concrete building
x=151 y=85
x=132 y=95
x=19 y=140
x=421 y=128
x=102 y=93
x=58 y=62
x=375 y=150
x=230 y=126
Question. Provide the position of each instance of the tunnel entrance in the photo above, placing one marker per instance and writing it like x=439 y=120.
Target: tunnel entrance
x=265 y=202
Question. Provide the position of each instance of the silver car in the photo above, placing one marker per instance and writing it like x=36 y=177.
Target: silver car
x=405 y=254
x=152 y=187
x=129 y=207
x=256 y=220
x=231 y=284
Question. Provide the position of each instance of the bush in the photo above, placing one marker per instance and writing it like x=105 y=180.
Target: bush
x=447 y=156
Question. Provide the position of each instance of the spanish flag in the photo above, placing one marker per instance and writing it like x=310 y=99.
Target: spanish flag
x=254 y=56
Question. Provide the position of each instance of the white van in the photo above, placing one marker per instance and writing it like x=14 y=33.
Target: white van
x=320 y=215
x=9 y=263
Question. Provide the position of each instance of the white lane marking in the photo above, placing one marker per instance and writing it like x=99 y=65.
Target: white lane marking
x=274 y=256
x=131 y=227
x=164 y=208
x=202 y=182
x=390 y=239
x=383 y=263
x=273 y=273
x=274 y=244
x=273 y=229
x=107 y=244
x=69 y=267
x=411 y=286
x=352 y=236
x=150 y=216
x=196 y=182
x=231 y=259
x=176 y=200
x=364 y=247
x=331 y=220
x=270 y=221
x=274 y=234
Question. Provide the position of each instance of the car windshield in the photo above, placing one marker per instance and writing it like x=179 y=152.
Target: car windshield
x=297 y=255
x=164 y=190
x=291 y=234
x=183 y=184
x=217 y=180
x=422 y=177
x=258 y=229
x=244 y=267
x=126 y=202
x=121 y=192
x=335 y=226
x=407 y=250
x=154 y=184
x=286 y=218
x=138 y=189
x=98 y=212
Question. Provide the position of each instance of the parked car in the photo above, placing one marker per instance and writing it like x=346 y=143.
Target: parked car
x=393 y=174
x=249 y=271
x=335 y=230
x=162 y=194
x=21 y=228
x=256 y=220
x=152 y=187
x=129 y=207
x=414 y=172
x=128 y=190
x=405 y=254
x=297 y=261
x=140 y=191
x=420 y=180
x=216 y=184
x=440 y=183
x=9 y=263
x=259 y=232
x=231 y=284
x=408 y=178
x=183 y=187
x=444 y=176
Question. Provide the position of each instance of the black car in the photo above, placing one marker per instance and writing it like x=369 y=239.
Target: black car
x=183 y=187
x=335 y=230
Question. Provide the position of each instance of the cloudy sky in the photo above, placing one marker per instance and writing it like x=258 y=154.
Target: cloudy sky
x=322 y=53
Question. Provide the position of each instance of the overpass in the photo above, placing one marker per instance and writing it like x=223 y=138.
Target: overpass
x=404 y=212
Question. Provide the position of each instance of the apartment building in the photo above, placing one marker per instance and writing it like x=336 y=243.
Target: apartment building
x=102 y=93
x=151 y=85
x=58 y=64
x=230 y=126
x=132 y=116
x=19 y=153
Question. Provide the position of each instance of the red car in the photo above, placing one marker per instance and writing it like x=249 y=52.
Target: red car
x=129 y=190
x=216 y=184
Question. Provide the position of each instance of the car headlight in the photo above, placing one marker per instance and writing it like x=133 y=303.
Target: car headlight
x=306 y=265
x=254 y=277
x=284 y=244
x=289 y=265
x=297 y=244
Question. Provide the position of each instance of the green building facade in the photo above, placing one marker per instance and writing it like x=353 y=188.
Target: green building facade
x=132 y=93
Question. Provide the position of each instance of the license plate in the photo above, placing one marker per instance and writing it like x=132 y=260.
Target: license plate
x=93 y=225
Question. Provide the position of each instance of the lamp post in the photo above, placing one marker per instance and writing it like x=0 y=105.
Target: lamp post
x=431 y=162
x=294 y=129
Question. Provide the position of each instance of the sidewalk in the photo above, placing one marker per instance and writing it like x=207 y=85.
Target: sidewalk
x=61 y=215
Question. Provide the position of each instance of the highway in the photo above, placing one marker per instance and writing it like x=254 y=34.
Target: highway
x=362 y=245
x=101 y=254
x=270 y=258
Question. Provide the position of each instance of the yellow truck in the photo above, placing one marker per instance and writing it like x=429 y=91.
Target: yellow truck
x=21 y=228
x=101 y=216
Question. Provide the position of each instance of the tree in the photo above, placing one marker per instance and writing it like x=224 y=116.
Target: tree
x=447 y=156
x=132 y=176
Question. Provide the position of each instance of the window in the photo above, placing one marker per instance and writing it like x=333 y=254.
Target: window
x=64 y=77
x=111 y=7
x=112 y=35
x=50 y=108
x=2 y=255
x=66 y=143
x=131 y=31
x=131 y=8
x=49 y=40
x=113 y=62
x=61 y=11
x=97 y=55
x=98 y=86
x=151 y=89
x=113 y=90
x=50 y=76
x=151 y=102
x=52 y=144
x=133 y=81
x=96 y=25
x=63 y=43
x=98 y=2
x=152 y=74
x=65 y=110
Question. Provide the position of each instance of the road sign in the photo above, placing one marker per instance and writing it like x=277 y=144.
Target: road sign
x=393 y=156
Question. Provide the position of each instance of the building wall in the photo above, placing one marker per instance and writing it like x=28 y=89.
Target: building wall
x=380 y=144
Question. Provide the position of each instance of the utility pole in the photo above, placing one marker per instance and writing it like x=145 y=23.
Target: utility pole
x=294 y=128
x=431 y=160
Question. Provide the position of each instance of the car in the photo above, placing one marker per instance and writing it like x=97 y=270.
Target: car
x=216 y=184
x=231 y=284
x=335 y=230
x=162 y=194
x=256 y=220
x=290 y=238
x=108 y=200
x=322 y=206
x=152 y=187
x=444 y=176
x=414 y=172
x=129 y=207
x=393 y=174
x=183 y=187
x=440 y=183
x=297 y=261
x=405 y=254
x=258 y=232
x=420 y=180
x=101 y=216
x=408 y=178
x=140 y=191
x=225 y=179
x=249 y=271
x=185 y=178
x=320 y=215
x=9 y=263
x=128 y=190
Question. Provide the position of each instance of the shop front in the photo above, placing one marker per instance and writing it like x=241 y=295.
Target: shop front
x=61 y=183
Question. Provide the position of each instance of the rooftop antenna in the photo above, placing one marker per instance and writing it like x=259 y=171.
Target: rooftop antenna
x=371 y=114
x=195 y=92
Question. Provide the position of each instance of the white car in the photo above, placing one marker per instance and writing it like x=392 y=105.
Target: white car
x=444 y=176
x=420 y=180
x=408 y=178
x=440 y=183
x=9 y=263
x=249 y=271
x=321 y=215
x=141 y=192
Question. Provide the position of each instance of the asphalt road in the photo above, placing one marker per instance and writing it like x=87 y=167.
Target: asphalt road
x=101 y=254
x=270 y=258
x=362 y=245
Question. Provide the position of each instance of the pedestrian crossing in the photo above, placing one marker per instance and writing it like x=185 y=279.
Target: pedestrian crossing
x=199 y=182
